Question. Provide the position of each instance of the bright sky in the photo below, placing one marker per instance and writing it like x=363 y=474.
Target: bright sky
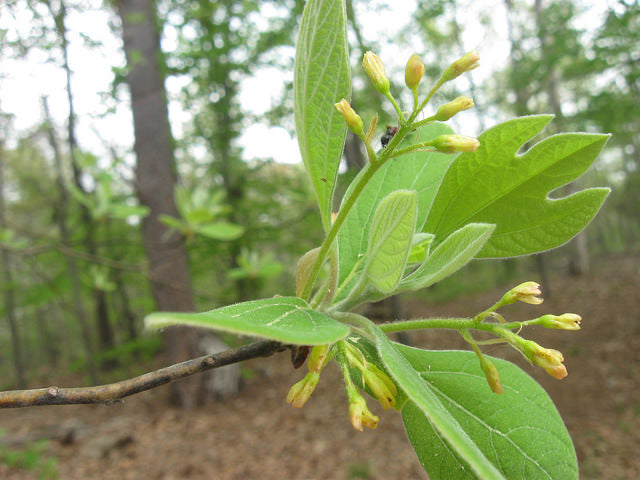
x=101 y=120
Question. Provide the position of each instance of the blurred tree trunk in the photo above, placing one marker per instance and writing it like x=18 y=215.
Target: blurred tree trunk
x=155 y=182
x=47 y=338
x=578 y=248
x=9 y=301
x=61 y=218
x=103 y=326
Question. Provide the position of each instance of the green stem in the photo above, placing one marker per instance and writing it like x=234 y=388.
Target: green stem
x=424 y=122
x=426 y=100
x=367 y=174
x=418 y=146
x=335 y=227
x=502 y=329
x=401 y=119
x=341 y=358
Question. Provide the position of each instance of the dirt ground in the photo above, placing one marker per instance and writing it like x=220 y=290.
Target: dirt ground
x=256 y=435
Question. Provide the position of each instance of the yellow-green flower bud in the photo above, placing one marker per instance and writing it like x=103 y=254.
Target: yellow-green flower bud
x=526 y=292
x=448 y=110
x=381 y=386
x=301 y=391
x=547 y=358
x=375 y=69
x=455 y=143
x=317 y=358
x=491 y=372
x=464 y=64
x=413 y=72
x=566 y=321
x=359 y=413
x=354 y=122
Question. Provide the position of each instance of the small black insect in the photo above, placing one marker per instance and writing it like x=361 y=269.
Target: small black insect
x=388 y=135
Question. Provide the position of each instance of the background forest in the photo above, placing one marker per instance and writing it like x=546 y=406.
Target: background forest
x=147 y=162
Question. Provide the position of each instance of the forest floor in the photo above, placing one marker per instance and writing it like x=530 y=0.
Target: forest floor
x=256 y=435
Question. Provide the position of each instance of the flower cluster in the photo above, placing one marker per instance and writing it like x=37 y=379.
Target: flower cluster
x=414 y=73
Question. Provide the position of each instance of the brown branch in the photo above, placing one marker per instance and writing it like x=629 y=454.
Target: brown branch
x=113 y=392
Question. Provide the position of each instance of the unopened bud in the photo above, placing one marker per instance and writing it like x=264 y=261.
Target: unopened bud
x=464 y=64
x=353 y=120
x=526 y=292
x=301 y=391
x=566 y=321
x=547 y=358
x=448 y=110
x=455 y=143
x=359 y=413
x=413 y=72
x=491 y=372
x=375 y=69
x=317 y=358
x=383 y=389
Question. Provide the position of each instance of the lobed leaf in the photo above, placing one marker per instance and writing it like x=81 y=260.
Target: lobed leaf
x=495 y=185
x=520 y=431
x=286 y=319
x=321 y=79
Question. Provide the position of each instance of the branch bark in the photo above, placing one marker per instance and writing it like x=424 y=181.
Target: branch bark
x=113 y=392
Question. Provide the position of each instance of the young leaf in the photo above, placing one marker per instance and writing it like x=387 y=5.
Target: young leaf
x=220 y=230
x=419 y=171
x=421 y=394
x=285 y=319
x=451 y=255
x=321 y=79
x=390 y=239
x=420 y=247
x=495 y=185
x=520 y=431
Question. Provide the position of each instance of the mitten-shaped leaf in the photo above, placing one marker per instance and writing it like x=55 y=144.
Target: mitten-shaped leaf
x=496 y=185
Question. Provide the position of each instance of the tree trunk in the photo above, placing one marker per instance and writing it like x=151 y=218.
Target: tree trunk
x=578 y=248
x=61 y=215
x=103 y=326
x=155 y=182
x=9 y=301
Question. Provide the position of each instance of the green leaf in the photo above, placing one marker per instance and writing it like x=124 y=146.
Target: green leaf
x=520 y=431
x=495 y=185
x=425 y=400
x=420 y=247
x=123 y=211
x=199 y=215
x=321 y=79
x=419 y=171
x=175 y=223
x=220 y=230
x=455 y=252
x=392 y=230
x=285 y=319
